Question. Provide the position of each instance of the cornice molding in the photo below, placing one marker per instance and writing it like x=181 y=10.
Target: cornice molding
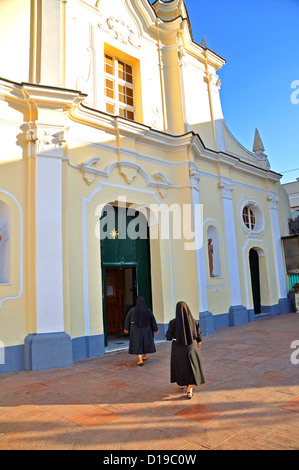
x=28 y=95
x=32 y=96
x=167 y=142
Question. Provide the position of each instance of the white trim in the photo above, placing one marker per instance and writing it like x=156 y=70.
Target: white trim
x=21 y=250
x=200 y=259
x=258 y=213
x=278 y=256
x=49 y=249
x=231 y=246
x=85 y=268
x=153 y=138
x=88 y=168
x=178 y=144
x=251 y=240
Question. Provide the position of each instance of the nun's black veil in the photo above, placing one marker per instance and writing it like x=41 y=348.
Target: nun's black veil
x=141 y=314
x=185 y=324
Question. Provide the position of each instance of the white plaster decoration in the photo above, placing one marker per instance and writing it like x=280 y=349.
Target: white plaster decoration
x=252 y=157
x=259 y=151
x=272 y=200
x=226 y=189
x=29 y=128
x=278 y=255
x=267 y=164
x=50 y=140
x=120 y=30
x=258 y=214
x=157 y=117
x=163 y=179
x=194 y=175
x=85 y=81
x=161 y=182
x=257 y=241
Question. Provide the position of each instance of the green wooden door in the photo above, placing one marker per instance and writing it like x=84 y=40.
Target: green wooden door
x=125 y=243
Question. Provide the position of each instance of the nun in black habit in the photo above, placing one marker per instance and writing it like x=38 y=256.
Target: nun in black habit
x=185 y=365
x=141 y=324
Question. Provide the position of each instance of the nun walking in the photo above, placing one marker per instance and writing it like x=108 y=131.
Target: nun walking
x=185 y=365
x=141 y=324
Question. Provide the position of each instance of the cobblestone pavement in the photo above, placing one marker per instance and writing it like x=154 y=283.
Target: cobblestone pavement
x=250 y=399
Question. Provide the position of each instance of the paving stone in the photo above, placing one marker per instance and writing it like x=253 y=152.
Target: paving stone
x=250 y=399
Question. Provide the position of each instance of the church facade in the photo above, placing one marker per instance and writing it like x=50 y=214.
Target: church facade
x=119 y=177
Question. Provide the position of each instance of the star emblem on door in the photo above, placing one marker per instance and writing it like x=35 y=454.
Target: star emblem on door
x=114 y=234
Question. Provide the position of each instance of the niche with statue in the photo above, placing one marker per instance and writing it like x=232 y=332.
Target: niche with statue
x=213 y=247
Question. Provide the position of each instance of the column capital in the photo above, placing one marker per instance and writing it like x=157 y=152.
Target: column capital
x=272 y=199
x=50 y=140
x=194 y=175
x=226 y=187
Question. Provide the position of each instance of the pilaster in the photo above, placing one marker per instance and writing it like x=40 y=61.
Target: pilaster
x=49 y=346
x=284 y=303
x=237 y=312
x=206 y=321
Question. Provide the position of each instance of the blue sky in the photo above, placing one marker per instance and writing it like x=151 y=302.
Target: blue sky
x=260 y=41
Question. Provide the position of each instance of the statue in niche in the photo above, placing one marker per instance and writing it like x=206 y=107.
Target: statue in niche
x=294 y=226
x=210 y=253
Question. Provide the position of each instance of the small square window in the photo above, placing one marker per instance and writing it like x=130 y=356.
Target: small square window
x=130 y=115
x=110 y=108
x=122 y=112
x=109 y=65
x=109 y=88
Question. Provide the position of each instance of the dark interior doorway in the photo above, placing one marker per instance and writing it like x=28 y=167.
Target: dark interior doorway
x=120 y=296
x=255 y=280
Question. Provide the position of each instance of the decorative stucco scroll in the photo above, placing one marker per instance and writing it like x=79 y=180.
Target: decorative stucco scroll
x=120 y=30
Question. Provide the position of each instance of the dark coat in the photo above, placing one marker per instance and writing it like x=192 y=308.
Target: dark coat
x=185 y=363
x=141 y=338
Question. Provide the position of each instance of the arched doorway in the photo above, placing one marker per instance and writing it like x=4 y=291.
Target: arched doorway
x=126 y=271
x=255 y=280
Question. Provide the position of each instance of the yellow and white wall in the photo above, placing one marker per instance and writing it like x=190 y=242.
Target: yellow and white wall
x=62 y=157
